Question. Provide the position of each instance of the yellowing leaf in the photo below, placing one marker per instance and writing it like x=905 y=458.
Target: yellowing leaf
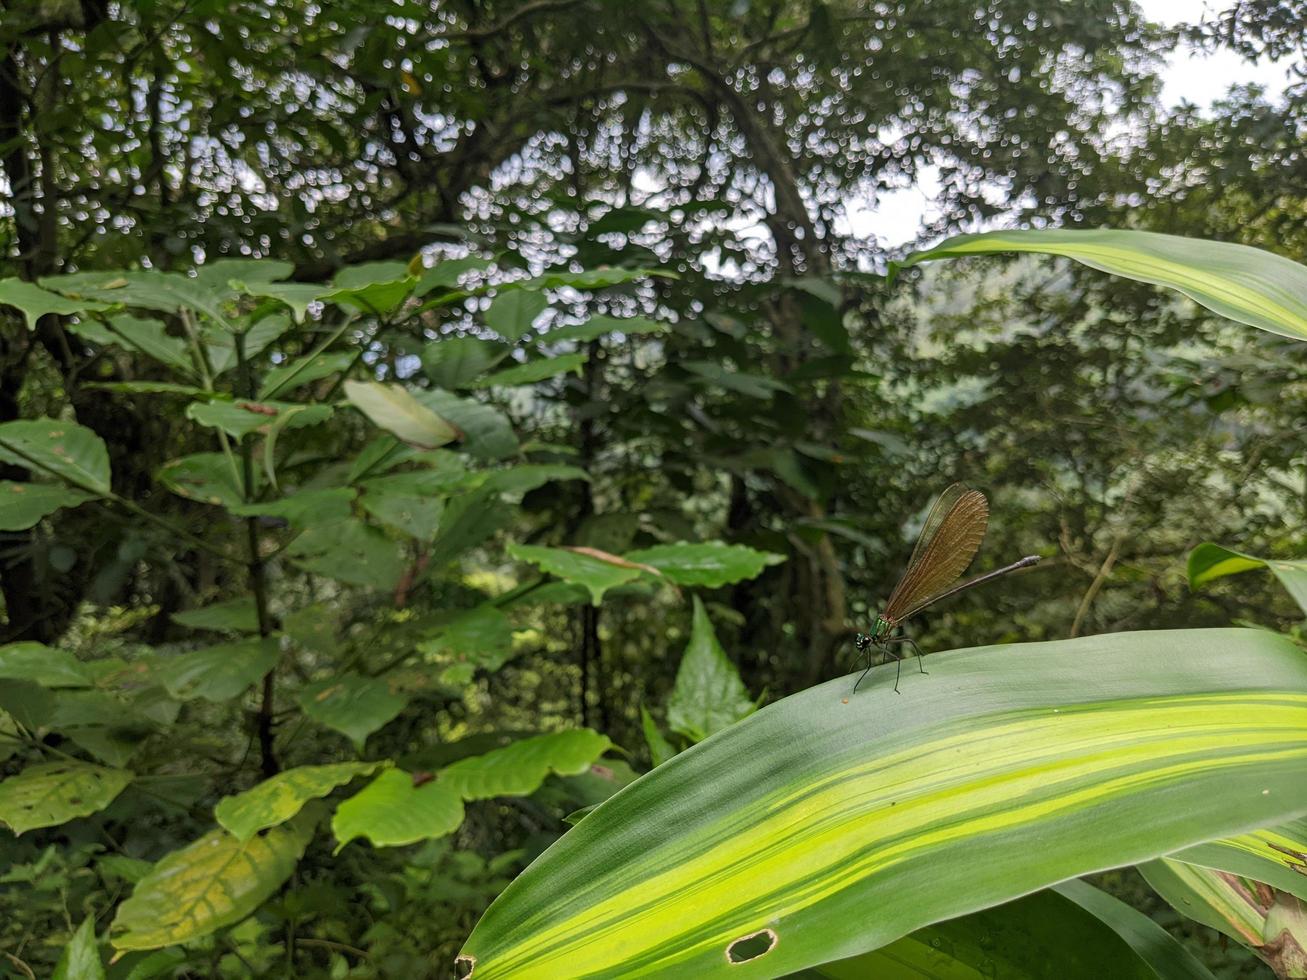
x=392 y=408
x=52 y=793
x=279 y=798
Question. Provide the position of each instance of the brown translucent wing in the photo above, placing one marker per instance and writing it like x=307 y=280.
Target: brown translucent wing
x=949 y=540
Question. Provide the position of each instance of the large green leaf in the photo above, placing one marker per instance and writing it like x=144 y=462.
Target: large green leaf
x=34 y=302
x=708 y=695
x=280 y=797
x=1249 y=285
x=710 y=563
x=392 y=408
x=240 y=418
x=42 y=665
x=349 y=551
x=66 y=449
x=519 y=769
x=486 y=432
x=306 y=509
x=596 y=574
x=479 y=638
x=354 y=705
x=232 y=615
x=511 y=313
x=1072 y=932
x=206 y=477
x=214 y=882
x=23 y=505
x=218 y=673
x=1013 y=767
x=404 y=502
x=453 y=362
x=80 y=959
x=1209 y=561
x=52 y=793
x=395 y=809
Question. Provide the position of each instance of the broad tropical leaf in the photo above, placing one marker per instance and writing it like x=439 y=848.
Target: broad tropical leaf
x=1209 y=561
x=354 y=705
x=392 y=408
x=1072 y=931
x=710 y=564
x=828 y=803
x=64 y=449
x=218 y=673
x=708 y=695
x=233 y=615
x=280 y=797
x=23 y=505
x=1249 y=285
x=81 y=957
x=512 y=312
x=520 y=768
x=51 y=793
x=34 y=302
x=212 y=883
x=597 y=575
x=397 y=809
x=42 y=665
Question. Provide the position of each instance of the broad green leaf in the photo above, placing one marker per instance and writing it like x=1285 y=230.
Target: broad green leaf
x=220 y=344
x=240 y=418
x=828 y=803
x=64 y=449
x=23 y=505
x=532 y=371
x=27 y=703
x=1209 y=561
x=349 y=551
x=469 y=520
x=1047 y=934
x=354 y=705
x=529 y=476
x=601 y=326
x=484 y=430
x=212 y=883
x=52 y=793
x=597 y=575
x=710 y=563
x=305 y=370
x=479 y=638
x=206 y=477
x=392 y=408
x=1245 y=284
x=152 y=339
x=148 y=289
x=519 y=769
x=279 y=798
x=391 y=811
x=233 y=277
x=660 y=750
x=512 y=313
x=34 y=302
x=453 y=362
x=80 y=959
x=305 y=509
x=218 y=673
x=296 y=295
x=404 y=504
x=372 y=287
x=42 y=665
x=708 y=695
x=234 y=615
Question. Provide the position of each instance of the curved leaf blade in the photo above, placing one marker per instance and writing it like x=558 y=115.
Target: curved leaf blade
x=52 y=793
x=813 y=810
x=1208 y=562
x=280 y=797
x=1245 y=284
x=23 y=505
x=69 y=451
x=392 y=408
x=710 y=564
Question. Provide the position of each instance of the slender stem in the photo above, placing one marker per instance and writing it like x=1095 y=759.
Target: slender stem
x=258 y=581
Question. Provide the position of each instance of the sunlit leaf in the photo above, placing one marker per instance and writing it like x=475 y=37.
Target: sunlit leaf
x=80 y=959
x=1249 y=285
x=51 y=793
x=280 y=797
x=709 y=563
x=708 y=695
x=218 y=673
x=597 y=575
x=354 y=705
x=212 y=883
x=392 y=408
x=1209 y=561
x=519 y=769
x=828 y=803
x=392 y=811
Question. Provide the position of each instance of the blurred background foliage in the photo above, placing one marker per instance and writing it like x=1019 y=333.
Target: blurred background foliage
x=797 y=404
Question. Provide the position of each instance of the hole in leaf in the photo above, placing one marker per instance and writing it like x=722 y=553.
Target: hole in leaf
x=752 y=946
x=464 y=967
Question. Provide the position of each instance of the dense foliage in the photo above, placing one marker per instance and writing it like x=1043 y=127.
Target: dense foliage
x=415 y=428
